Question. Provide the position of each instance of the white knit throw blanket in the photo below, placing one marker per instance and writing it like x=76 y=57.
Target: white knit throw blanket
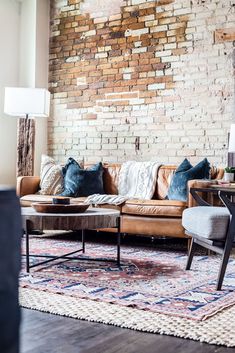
x=99 y=199
x=138 y=179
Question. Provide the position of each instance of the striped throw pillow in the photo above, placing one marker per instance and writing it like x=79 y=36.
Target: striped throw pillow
x=51 y=177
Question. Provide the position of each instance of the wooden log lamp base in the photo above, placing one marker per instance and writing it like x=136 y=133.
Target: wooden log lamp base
x=25 y=146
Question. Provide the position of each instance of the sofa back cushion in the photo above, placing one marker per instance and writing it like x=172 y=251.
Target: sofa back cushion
x=165 y=173
x=111 y=177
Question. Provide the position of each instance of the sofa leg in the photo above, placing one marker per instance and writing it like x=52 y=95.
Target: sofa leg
x=36 y=232
x=190 y=255
x=189 y=244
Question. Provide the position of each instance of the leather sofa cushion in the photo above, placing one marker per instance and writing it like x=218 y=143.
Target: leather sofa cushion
x=153 y=226
x=165 y=208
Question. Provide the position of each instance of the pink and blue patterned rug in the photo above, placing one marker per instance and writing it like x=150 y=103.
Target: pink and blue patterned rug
x=148 y=278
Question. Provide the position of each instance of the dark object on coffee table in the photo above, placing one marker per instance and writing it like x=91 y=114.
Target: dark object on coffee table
x=43 y=207
x=61 y=200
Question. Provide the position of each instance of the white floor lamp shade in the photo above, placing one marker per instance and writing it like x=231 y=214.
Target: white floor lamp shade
x=34 y=102
x=26 y=103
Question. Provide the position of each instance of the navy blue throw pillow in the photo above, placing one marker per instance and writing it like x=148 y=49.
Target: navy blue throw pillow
x=82 y=182
x=184 y=173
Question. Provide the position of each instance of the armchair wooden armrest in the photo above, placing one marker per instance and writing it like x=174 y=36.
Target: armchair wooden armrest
x=26 y=185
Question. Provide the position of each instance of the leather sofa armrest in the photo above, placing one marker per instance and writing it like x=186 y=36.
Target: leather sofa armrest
x=26 y=185
x=217 y=173
x=198 y=183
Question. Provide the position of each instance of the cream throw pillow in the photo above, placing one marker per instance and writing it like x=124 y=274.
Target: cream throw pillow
x=51 y=177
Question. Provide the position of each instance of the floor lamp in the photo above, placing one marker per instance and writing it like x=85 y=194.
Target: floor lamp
x=26 y=103
x=231 y=147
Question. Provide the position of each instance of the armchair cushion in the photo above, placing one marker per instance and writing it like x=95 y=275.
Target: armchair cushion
x=206 y=222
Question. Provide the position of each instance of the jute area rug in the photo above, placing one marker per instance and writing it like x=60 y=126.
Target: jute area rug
x=150 y=292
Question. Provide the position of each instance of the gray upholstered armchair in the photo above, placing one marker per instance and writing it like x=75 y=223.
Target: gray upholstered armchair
x=212 y=228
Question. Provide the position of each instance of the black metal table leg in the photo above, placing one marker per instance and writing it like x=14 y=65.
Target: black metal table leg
x=118 y=242
x=83 y=240
x=27 y=246
x=118 y=248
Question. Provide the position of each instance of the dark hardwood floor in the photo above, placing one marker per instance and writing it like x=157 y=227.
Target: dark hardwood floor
x=47 y=333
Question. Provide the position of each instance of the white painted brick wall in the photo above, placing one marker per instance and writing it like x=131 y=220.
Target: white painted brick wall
x=188 y=117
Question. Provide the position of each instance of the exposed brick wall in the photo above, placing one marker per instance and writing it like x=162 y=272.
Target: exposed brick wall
x=141 y=79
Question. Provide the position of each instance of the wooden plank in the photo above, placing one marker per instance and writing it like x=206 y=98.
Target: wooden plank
x=224 y=35
x=93 y=218
x=49 y=333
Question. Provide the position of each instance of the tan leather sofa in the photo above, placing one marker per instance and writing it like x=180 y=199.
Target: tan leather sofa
x=156 y=217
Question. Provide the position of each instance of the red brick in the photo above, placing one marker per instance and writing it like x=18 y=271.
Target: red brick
x=89 y=116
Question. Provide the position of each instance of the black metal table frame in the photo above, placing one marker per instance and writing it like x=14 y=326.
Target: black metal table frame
x=67 y=256
x=214 y=190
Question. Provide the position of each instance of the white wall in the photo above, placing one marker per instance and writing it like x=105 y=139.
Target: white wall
x=9 y=76
x=27 y=43
x=41 y=74
x=24 y=36
x=34 y=53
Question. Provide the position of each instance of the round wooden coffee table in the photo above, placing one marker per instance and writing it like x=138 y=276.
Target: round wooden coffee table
x=92 y=218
